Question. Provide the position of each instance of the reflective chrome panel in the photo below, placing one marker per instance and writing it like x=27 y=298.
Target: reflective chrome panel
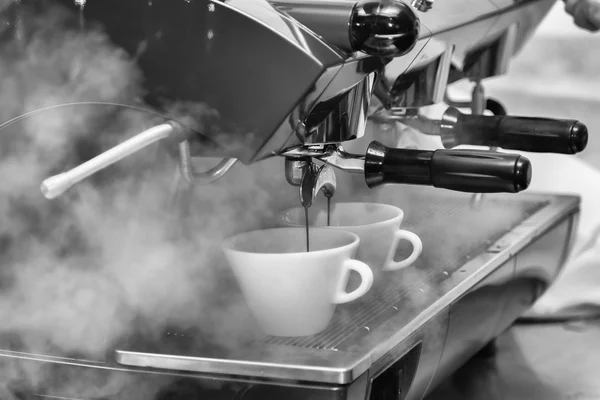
x=244 y=63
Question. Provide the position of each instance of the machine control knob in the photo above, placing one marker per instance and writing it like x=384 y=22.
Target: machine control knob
x=384 y=28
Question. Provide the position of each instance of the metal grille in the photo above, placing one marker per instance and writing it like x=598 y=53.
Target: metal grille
x=452 y=233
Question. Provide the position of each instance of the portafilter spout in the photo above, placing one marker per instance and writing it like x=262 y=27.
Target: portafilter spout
x=314 y=180
x=310 y=178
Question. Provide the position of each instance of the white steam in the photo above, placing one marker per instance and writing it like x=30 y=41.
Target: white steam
x=108 y=259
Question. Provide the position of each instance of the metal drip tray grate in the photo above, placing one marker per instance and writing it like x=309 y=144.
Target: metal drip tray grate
x=452 y=233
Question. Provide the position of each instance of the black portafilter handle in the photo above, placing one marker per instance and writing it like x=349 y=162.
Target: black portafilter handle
x=539 y=135
x=473 y=171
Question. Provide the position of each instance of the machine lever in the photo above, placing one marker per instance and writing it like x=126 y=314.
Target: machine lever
x=540 y=135
x=474 y=171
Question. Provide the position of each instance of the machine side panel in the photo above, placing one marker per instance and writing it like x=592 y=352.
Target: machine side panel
x=434 y=336
x=477 y=318
x=544 y=259
x=538 y=267
x=473 y=320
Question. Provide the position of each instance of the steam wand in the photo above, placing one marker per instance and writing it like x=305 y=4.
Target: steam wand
x=56 y=185
x=186 y=177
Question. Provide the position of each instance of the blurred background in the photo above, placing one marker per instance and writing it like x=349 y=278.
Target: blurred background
x=557 y=74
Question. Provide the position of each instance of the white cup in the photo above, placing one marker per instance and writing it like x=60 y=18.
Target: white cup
x=292 y=292
x=377 y=225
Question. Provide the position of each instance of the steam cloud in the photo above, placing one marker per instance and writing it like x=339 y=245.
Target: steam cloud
x=109 y=259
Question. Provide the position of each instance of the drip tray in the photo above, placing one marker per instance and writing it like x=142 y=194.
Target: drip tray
x=452 y=234
x=461 y=245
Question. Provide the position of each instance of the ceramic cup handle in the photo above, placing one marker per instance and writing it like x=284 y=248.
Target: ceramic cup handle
x=366 y=281
x=390 y=264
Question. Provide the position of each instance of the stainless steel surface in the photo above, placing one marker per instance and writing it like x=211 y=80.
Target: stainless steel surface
x=423 y=5
x=528 y=365
x=477 y=107
x=294 y=169
x=339 y=158
x=422 y=85
x=388 y=28
x=315 y=180
x=311 y=179
x=341 y=112
x=411 y=117
x=506 y=49
x=469 y=11
x=328 y=18
x=191 y=175
x=366 y=332
x=347 y=120
x=291 y=67
x=478 y=98
x=481 y=37
x=501 y=298
x=444 y=323
x=385 y=28
x=446 y=127
x=311 y=91
x=332 y=155
x=329 y=99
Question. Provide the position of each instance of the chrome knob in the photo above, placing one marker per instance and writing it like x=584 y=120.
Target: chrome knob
x=422 y=5
x=384 y=28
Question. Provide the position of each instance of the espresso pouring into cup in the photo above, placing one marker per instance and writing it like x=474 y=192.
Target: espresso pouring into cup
x=377 y=225
x=292 y=292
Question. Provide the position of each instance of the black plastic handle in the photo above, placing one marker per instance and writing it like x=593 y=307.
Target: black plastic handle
x=540 y=135
x=474 y=171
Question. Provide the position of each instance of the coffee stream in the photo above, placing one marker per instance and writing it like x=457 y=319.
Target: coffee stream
x=328 y=208
x=306 y=221
x=306 y=227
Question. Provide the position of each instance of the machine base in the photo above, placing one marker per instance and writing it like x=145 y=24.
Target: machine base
x=479 y=271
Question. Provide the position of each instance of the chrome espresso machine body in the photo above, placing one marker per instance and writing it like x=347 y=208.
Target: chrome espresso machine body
x=318 y=68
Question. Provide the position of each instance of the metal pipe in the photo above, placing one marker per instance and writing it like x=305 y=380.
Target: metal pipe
x=478 y=108
x=56 y=185
x=186 y=168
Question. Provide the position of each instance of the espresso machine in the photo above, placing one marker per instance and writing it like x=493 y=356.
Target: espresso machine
x=322 y=69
